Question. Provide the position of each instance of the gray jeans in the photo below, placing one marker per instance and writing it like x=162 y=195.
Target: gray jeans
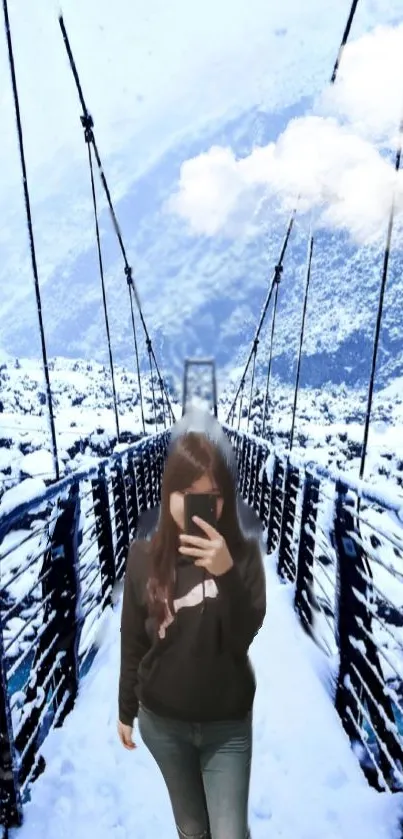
x=206 y=768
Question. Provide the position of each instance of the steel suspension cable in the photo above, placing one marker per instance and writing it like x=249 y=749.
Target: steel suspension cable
x=344 y=39
x=255 y=346
x=346 y=33
x=152 y=387
x=263 y=313
x=136 y=351
x=87 y=119
x=308 y=278
x=311 y=240
x=163 y=403
x=101 y=273
x=31 y=239
x=240 y=403
x=380 y=304
x=273 y=326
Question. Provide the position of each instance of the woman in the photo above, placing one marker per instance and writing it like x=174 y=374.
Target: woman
x=191 y=608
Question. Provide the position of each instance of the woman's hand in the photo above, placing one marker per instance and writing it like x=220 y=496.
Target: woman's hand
x=125 y=736
x=212 y=552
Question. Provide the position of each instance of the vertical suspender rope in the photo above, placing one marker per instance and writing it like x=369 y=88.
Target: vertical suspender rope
x=152 y=383
x=264 y=310
x=255 y=346
x=273 y=324
x=87 y=134
x=346 y=33
x=380 y=306
x=344 y=39
x=311 y=240
x=88 y=124
x=31 y=239
x=128 y=274
x=161 y=384
x=308 y=278
x=242 y=385
x=128 y=269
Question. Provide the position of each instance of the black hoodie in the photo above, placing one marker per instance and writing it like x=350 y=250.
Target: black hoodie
x=197 y=667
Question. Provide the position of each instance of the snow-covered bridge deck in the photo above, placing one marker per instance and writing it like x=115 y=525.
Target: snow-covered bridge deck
x=306 y=781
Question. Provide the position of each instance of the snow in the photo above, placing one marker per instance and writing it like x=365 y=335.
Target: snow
x=37 y=463
x=84 y=417
x=21 y=493
x=330 y=428
x=306 y=782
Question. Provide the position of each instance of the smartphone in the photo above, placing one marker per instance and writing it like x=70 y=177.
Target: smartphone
x=203 y=505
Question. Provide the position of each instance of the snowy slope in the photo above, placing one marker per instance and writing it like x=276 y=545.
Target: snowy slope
x=306 y=782
x=329 y=426
x=84 y=417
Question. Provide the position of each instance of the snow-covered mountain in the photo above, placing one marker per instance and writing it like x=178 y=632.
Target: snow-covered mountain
x=203 y=295
x=259 y=81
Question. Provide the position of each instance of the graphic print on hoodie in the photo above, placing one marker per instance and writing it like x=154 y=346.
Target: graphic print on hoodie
x=194 y=667
x=195 y=596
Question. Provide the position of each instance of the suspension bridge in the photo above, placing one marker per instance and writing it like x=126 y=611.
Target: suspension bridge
x=333 y=545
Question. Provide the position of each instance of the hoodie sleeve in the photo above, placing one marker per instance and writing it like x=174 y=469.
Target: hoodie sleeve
x=134 y=642
x=243 y=593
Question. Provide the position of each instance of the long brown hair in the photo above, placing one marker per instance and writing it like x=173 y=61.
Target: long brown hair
x=192 y=455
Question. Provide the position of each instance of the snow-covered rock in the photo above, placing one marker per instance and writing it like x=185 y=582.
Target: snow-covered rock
x=23 y=492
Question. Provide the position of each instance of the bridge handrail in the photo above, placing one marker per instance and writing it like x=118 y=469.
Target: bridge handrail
x=320 y=546
x=11 y=517
x=339 y=563
x=56 y=583
x=363 y=489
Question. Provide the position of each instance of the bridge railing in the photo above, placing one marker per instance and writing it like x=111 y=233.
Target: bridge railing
x=61 y=554
x=60 y=557
x=340 y=544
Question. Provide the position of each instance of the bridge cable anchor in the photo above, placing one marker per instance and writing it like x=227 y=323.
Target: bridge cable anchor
x=88 y=124
x=277 y=273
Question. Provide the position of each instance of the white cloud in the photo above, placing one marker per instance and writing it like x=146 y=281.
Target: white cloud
x=333 y=165
x=369 y=90
x=212 y=186
x=151 y=69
